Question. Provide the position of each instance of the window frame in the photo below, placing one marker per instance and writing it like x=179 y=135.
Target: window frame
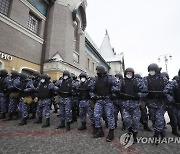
x=8 y=9
x=31 y=27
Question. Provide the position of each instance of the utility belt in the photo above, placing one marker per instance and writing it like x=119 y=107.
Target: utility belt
x=130 y=98
x=103 y=97
x=65 y=94
x=14 y=95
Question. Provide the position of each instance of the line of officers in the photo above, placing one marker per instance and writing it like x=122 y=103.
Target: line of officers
x=100 y=97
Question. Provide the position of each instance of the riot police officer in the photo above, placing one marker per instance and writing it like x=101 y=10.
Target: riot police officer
x=44 y=94
x=84 y=97
x=13 y=88
x=156 y=98
x=75 y=99
x=131 y=93
x=36 y=83
x=64 y=88
x=102 y=92
x=118 y=102
x=143 y=107
x=3 y=93
x=173 y=94
x=27 y=88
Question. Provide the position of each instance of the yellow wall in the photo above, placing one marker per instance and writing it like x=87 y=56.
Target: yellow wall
x=18 y=64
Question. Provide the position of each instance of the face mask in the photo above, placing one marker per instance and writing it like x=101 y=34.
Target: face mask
x=117 y=79
x=83 y=79
x=99 y=74
x=129 y=76
x=152 y=73
x=42 y=80
x=65 y=77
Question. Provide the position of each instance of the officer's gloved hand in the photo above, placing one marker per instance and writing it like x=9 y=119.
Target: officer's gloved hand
x=94 y=97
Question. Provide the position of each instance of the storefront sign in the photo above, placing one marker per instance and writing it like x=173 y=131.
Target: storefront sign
x=5 y=56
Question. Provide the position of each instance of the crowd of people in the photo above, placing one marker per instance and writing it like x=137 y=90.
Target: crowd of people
x=138 y=100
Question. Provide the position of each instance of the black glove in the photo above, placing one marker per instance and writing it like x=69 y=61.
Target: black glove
x=94 y=97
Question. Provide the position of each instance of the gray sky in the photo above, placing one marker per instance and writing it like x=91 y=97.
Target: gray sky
x=142 y=29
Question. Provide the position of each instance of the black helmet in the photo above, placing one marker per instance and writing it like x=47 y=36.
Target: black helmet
x=14 y=73
x=37 y=74
x=138 y=76
x=74 y=77
x=165 y=74
x=66 y=73
x=3 y=73
x=179 y=72
x=83 y=75
x=45 y=76
x=129 y=70
x=154 y=67
x=176 y=77
x=101 y=69
x=23 y=76
x=119 y=75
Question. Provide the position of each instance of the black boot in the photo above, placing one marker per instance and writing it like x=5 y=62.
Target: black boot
x=23 y=122
x=17 y=116
x=110 y=136
x=123 y=127
x=174 y=132
x=169 y=123
x=47 y=123
x=38 y=121
x=99 y=133
x=130 y=130
x=83 y=127
x=156 y=138
x=162 y=134
x=55 y=110
x=62 y=125
x=94 y=130
x=68 y=126
x=33 y=116
x=3 y=116
x=9 y=117
x=106 y=123
x=135 y=137
x=146 y=127
x=178 y=127
x=115 y=123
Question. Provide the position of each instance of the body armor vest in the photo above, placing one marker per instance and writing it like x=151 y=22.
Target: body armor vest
x=155 y=85
x=66 y=88
x=44 y=91
x=84 y=91
x=102 y=86
x=129 y=87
